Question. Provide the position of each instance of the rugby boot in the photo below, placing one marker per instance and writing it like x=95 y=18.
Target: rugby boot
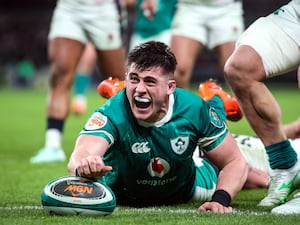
x=210 y=88
x=109 y=87
x=290 y=207
x=79 y=105
x=282 y=183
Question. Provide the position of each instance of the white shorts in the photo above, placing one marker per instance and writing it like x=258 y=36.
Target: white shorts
x=164 y=37
x=254 y=151
x=276 y=39
x=278 y=51
x=95 y=21
x=210 y=25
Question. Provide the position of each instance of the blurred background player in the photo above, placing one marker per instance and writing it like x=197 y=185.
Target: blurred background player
x=157 y=27
x=85 y=69
x=197 y=24
x=257 y=57
x=74 y=24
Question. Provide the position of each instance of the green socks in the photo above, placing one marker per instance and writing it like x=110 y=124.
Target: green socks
x=281 y=155
x=82 y=82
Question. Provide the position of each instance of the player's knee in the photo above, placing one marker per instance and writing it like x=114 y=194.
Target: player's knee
x=60 y=76
x=236 y=74
x=233 y=71
x=182 y=76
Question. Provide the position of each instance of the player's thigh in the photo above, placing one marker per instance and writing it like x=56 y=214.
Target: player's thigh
x=112 y=62
x=223 y=51
x=186 y=51
x=88 y=60
x=64 y=55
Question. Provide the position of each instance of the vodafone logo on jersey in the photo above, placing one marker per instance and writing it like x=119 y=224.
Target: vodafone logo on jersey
x=158 y=167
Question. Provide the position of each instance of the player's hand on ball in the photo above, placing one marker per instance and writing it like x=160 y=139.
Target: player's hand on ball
x=214 y=207
x=92 y=167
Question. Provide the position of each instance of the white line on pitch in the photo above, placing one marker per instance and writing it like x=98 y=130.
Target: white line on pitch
x=151 y=209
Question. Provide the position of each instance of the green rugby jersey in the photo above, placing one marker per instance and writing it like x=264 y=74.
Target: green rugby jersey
x=162 y=19
x=153 y=163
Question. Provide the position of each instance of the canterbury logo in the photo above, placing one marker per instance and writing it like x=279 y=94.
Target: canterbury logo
x=76 y=190
x=140 y=147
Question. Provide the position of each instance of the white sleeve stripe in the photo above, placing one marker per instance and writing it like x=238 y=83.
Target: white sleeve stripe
x=206 y=141
x=108 y=135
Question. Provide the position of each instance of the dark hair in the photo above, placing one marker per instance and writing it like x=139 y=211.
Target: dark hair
x=152 y=54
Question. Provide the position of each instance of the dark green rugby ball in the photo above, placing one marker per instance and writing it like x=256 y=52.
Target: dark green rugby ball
x=72 y=195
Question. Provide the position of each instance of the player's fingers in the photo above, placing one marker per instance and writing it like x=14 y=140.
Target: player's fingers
x=205 y=207
x=97 y=167
x=102 y=169
x=106 y=169
x=83 y=168
x=214 y=207
x=95 y=164
x=228 y=209
x=221 y=209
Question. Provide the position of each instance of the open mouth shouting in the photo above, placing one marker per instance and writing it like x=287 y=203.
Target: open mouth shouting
x=142 y=103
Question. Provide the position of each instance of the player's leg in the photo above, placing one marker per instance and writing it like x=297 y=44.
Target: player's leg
x=188 y=37
x=112 y=63
x=223 y=52
x=246 y=68
x=85 y=69
x=109 y=43
x=224 y=29
x=113 y=69
x=64 y=55
x=186 y=51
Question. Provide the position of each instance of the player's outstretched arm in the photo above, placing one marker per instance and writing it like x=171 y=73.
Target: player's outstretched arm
x=233 y=174
x=86 y=158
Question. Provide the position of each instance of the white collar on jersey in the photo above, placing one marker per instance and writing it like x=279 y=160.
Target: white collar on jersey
x=165 y=119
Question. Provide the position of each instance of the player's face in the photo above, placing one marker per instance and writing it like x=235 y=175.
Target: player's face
x=148 y=93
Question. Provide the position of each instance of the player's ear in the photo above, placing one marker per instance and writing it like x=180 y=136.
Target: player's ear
x=171 y=86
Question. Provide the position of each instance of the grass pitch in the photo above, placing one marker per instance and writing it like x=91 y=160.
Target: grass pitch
x=23 y=122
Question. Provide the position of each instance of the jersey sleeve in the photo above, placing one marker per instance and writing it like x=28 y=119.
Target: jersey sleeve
x=213 y=129
x=99 y=125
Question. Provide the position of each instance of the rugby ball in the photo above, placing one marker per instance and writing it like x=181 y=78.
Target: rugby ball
x=72 y=195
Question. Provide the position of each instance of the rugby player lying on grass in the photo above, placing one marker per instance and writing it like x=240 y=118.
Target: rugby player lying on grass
x=141 y=141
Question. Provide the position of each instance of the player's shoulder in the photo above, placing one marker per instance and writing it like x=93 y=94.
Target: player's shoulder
x=186 y=103
x=116 y=108
x=186 y=97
